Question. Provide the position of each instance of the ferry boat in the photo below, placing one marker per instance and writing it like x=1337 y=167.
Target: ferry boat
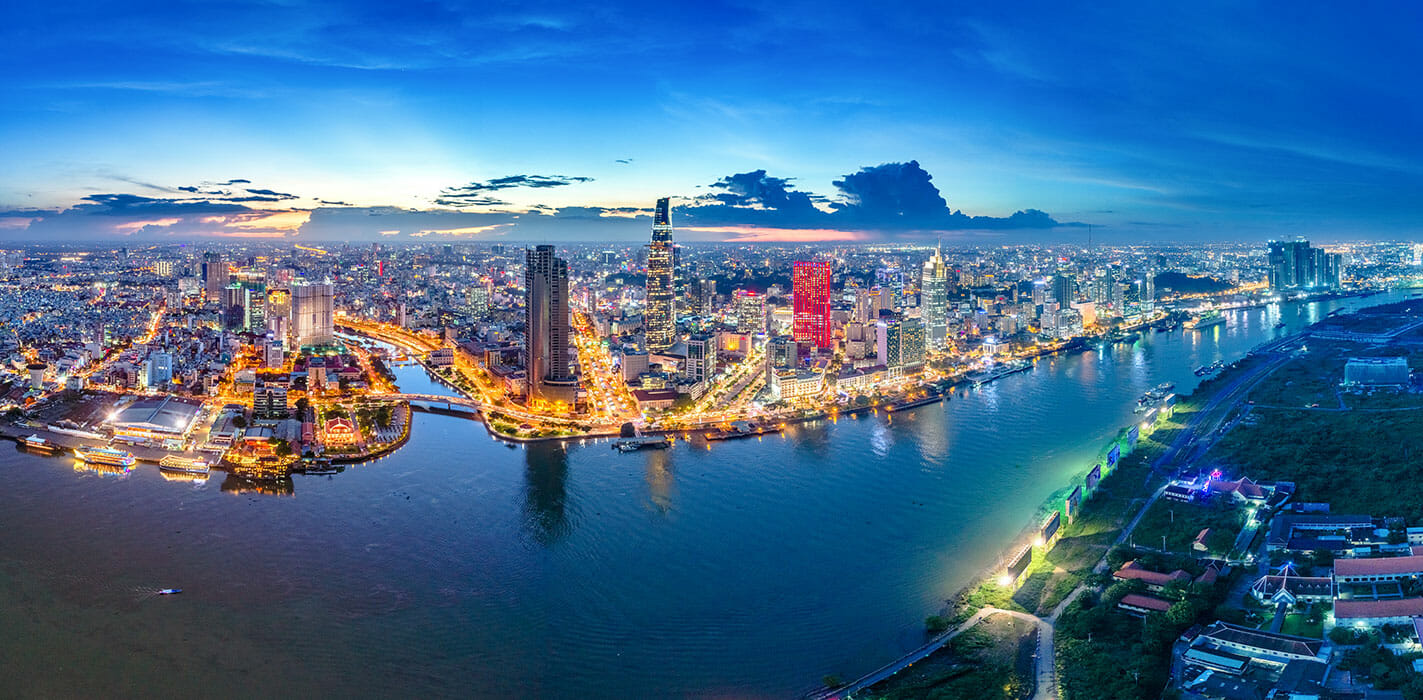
x=743 y=429
x=634 y=444
x=186 y=465
x=1206 y=320
x=107 y=456
x=913 y=403
x=986 y=376
x=39 y=444
x=1164 y=387
x=1279 y=325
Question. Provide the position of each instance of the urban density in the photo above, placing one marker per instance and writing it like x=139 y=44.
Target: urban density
x=894 y=351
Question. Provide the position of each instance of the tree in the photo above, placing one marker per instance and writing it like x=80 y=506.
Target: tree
x=239 y=422
x=282 y=448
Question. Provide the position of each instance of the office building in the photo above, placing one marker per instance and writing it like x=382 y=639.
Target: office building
x=701 y=358
x=810 y=288
x=750 y=312
x=934 y=298
x=900 y=341
x=214 y=275
x=548 y=368
x=661 y=316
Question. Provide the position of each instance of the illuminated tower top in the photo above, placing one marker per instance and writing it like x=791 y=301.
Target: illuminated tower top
x=662 y=221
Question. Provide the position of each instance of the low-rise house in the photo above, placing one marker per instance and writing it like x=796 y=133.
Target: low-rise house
x=1155 y=581
x=1376 y=613
x=1142 y=605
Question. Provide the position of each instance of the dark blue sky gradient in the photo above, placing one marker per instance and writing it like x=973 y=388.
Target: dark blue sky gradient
x=1198 y=121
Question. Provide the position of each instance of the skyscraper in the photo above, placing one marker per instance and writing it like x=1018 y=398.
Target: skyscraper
x=549 y=328
x=750 y=312
x=660 y=319
x=810 y=287
x=312 y=320
x=1062 y=289
x=934 y=298
x=214 y=275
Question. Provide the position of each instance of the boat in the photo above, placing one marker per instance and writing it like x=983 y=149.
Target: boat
x=742 y=429
x=1164 y=387
x=170 y=591
x=1205 y=320
x=988 y=375
x=1279 y=325
x=39 y=444
x=914 y=403
x=186 y=465
x=634 y=444
x=107 y=456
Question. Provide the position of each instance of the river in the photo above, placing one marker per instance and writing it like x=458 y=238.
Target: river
x=461 y=566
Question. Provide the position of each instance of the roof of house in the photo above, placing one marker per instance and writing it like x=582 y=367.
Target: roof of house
x=1381 y=566
x=1299 y=585
x=1244 y=486
x=1268 y=642
x=1365 y=609
x=1134 y=571
x=1145 y=602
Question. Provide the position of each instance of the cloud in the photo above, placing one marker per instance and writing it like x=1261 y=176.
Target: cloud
x=475 y=194
x=897 y=198
x=512 y=181
x=272 y=193
x=624 y=161
x=236 y=181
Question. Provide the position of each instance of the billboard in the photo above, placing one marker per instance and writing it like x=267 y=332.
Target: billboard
x=1074 y=503
x=1133 y=435
x=1050 y=528
x=1113 y=455
x=1093 y=477
x=1020 y=563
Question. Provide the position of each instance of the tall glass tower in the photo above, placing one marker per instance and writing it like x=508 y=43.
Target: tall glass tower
x=934 y=290
x=660 y=319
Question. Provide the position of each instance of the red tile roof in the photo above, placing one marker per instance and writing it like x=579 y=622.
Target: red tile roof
x=1382 y=566
x=1145 y=602
x=1361 y=609
x=1133 y=571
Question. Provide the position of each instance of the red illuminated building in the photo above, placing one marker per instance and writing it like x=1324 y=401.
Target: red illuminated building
x=810 y=286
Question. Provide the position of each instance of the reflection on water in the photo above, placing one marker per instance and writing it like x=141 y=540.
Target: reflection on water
x=269 y=487
x=546 y=491
x=458 y=567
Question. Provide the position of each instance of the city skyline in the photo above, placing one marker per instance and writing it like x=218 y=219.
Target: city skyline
x=550 y=124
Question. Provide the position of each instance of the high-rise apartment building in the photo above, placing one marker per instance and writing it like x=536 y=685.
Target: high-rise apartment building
x=660 y=318
x=810 y=288
x=549 y=327
x=934 y=298
x=313 y=321
x=1296 y=265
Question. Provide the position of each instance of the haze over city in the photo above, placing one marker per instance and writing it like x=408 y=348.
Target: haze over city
x=792 y=122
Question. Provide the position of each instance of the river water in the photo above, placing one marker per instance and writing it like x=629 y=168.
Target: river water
x=460 y=566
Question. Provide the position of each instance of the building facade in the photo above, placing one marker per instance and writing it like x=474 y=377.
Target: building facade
x=661 y=316
x=810 y=287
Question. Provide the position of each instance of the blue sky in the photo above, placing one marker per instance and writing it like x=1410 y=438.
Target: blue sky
x=791 y=120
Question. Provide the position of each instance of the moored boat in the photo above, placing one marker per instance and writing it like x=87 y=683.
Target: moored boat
x=107 y=456
x=186 y=465
x=39 y=444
